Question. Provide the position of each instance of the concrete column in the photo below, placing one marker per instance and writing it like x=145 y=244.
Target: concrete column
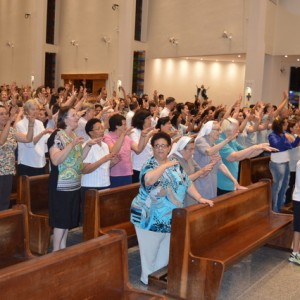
x=126 y=37
x=255 y=49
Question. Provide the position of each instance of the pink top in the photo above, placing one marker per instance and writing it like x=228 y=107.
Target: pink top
x=124 y=166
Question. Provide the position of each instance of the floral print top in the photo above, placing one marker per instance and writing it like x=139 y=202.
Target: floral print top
x=152 y=208
x=7 y=154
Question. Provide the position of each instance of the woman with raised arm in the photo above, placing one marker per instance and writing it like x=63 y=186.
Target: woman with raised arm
x=183 y=151
x=8 y=144
x=120 y=143
x=164 y=185
x=66 y=156
x=279 y=163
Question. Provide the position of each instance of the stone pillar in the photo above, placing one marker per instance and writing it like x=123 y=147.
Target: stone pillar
x=126 y=37
x=255 y=50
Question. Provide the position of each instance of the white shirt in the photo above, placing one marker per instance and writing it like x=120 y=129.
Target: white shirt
x=30 y=154
x=80 y=130
x=129 y=116
x=294 y=157
x=164 y=113
x=103 y=102
x=138 y=160
x=100 y=176
x=296 y=194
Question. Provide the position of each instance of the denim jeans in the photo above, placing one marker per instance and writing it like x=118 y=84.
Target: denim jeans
x=281 y=175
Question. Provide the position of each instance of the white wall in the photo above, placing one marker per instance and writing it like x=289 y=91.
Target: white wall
x=198 y=24
x=26 y=58
x=179 y=77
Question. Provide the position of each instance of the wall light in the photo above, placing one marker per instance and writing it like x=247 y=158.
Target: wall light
x=173 y=41
x=106 y=39
x=74 y=43
x=10 y=44
x=226 y=35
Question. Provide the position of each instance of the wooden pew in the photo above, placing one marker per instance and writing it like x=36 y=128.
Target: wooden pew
x=206 y=241
x=109 y=209
x=15 y=185
x=33 y=192
x=254 y=169
x=14 y=236
x=96 y=269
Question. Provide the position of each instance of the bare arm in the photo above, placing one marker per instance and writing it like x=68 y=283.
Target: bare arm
x=152 y=176
x=192 y=191
x=58 y=156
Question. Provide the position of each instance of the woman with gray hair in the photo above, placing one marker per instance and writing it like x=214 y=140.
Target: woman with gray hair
x=31 y=156
x=207 y=151
x=183 y=151
x=233 y=152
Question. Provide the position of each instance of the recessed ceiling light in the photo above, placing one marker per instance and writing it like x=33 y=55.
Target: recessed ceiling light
x=232 y=61
x=298 y=59
x=285 y=56
x=239 y=56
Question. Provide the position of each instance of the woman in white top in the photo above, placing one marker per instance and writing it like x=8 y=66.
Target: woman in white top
x=96 y=165
x=140 y=121
x=295 y=256
x=31 y=156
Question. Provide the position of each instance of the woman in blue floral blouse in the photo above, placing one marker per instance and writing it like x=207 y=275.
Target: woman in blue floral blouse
x=164 y=185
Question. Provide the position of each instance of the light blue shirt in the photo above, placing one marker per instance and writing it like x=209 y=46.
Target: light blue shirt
x=224 y=183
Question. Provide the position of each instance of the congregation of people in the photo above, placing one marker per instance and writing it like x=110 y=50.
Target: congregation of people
x=181 y=152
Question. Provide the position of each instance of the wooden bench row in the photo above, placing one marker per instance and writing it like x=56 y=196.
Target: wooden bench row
x=206 y=241
x=96 y=269
x=104 y=210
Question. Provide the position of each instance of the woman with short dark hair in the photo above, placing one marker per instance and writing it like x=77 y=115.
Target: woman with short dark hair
x=66 y=156
x=164 y=185
x=140 y=121
x=120 y=143
x=279 y=163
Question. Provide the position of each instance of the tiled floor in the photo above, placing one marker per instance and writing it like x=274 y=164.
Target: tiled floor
x=264 y=275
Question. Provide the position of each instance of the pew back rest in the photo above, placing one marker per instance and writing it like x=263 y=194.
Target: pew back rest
x=34 y=193
x=232 y=216
x=14 y=235
x=203 y=226
x=96 y=269
x=254 y=169
x=107 y=209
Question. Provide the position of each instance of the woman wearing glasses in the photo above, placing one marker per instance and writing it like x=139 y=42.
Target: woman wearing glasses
x=183 y=151
x=207 y=151
x=164 y=185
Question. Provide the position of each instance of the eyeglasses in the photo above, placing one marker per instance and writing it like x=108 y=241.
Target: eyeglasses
x=161 y=146
x=190 y=150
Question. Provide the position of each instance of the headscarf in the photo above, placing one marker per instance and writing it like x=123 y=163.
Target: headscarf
x=180 y=145
x=206 y=129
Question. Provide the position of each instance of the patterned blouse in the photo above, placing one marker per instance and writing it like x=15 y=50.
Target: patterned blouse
x=152 y=208
x=7 y=154
x=69 y=171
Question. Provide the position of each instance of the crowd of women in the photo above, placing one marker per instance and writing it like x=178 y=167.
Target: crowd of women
x=181 y=153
